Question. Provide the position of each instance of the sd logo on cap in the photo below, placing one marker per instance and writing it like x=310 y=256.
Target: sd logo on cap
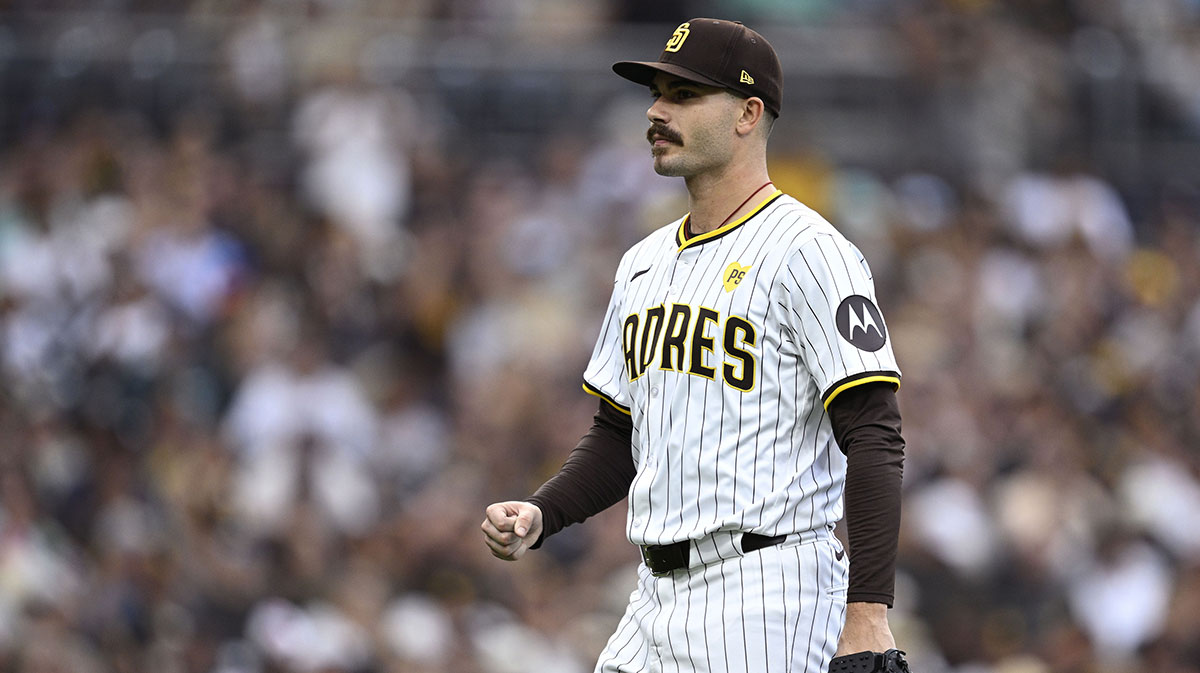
x=719 y=53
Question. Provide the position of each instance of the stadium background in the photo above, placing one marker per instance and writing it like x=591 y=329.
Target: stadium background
x=291 y=289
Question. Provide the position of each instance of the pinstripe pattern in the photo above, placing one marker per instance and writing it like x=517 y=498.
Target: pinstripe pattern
x=730 y=433
x=773 y=610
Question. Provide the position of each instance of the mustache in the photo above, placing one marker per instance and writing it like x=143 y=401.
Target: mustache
x=663 y=131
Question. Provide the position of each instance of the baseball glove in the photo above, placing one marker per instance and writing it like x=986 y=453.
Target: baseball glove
x=891 y=661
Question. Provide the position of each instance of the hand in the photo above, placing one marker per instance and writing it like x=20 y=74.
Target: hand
x=866 y=629
x=511 y=527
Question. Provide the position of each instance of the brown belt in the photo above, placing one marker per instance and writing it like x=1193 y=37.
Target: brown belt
x=662 y=559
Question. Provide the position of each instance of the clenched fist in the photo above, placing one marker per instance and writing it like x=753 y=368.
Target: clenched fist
x=511 y=527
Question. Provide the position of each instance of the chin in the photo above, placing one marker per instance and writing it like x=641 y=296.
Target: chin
x=666 y=167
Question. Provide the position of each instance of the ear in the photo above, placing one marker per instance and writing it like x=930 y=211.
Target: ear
x=752 y=110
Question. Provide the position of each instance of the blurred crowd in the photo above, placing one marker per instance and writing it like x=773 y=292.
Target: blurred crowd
x=265 y=361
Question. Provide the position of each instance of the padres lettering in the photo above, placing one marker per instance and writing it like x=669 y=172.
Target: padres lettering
x=684 y=340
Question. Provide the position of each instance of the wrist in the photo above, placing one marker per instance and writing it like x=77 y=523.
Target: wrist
x=867 y=609
x=866 y=629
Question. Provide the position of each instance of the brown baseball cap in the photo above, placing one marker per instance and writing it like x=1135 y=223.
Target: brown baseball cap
x=717 y=53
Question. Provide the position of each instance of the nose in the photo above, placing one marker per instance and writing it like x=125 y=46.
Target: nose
x=656 y=113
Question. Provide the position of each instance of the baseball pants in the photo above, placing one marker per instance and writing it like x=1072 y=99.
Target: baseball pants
x=773 y=610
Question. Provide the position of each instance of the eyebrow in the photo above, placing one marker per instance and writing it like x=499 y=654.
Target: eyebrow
x=679 y=83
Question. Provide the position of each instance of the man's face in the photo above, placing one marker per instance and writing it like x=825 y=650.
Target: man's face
x=691 y=126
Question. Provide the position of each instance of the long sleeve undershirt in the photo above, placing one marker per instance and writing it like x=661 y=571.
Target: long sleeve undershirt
x=866 y=426
x=594 y=477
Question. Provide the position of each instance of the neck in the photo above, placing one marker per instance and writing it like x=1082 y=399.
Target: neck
x=713 y=199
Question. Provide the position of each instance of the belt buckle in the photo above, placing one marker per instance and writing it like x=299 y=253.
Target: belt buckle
x=660 y=565
x=651 y=563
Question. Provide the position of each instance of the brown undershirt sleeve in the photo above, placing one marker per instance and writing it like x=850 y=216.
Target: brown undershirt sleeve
x=595 y=476
x=866 y=425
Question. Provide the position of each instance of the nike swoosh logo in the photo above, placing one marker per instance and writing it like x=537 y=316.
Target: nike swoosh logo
x=634 y=276
x=839 y=554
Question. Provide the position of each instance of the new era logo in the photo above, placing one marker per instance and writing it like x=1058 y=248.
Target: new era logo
x=746 y=78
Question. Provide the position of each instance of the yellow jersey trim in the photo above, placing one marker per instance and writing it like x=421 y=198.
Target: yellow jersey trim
x=858 y=382
x=594 y=391
x=684 y=242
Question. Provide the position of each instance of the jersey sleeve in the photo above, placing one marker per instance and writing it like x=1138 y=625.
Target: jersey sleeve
x=834 y=316
x=605 y=374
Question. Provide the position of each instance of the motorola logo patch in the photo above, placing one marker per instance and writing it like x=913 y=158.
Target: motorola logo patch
x=860 y=323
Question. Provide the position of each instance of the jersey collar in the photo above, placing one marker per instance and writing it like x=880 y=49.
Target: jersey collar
x=683 y=242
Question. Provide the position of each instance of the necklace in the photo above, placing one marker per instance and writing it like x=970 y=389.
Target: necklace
x=730 y=216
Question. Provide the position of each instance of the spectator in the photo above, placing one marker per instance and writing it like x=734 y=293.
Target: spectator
x=269 y=333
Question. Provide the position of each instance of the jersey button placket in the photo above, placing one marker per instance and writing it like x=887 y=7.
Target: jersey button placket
x=679 y=270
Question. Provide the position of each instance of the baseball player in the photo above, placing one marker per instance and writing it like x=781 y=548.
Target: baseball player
x=746 y=389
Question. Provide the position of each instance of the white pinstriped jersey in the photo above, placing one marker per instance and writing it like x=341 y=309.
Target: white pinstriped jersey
x=726 y=349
